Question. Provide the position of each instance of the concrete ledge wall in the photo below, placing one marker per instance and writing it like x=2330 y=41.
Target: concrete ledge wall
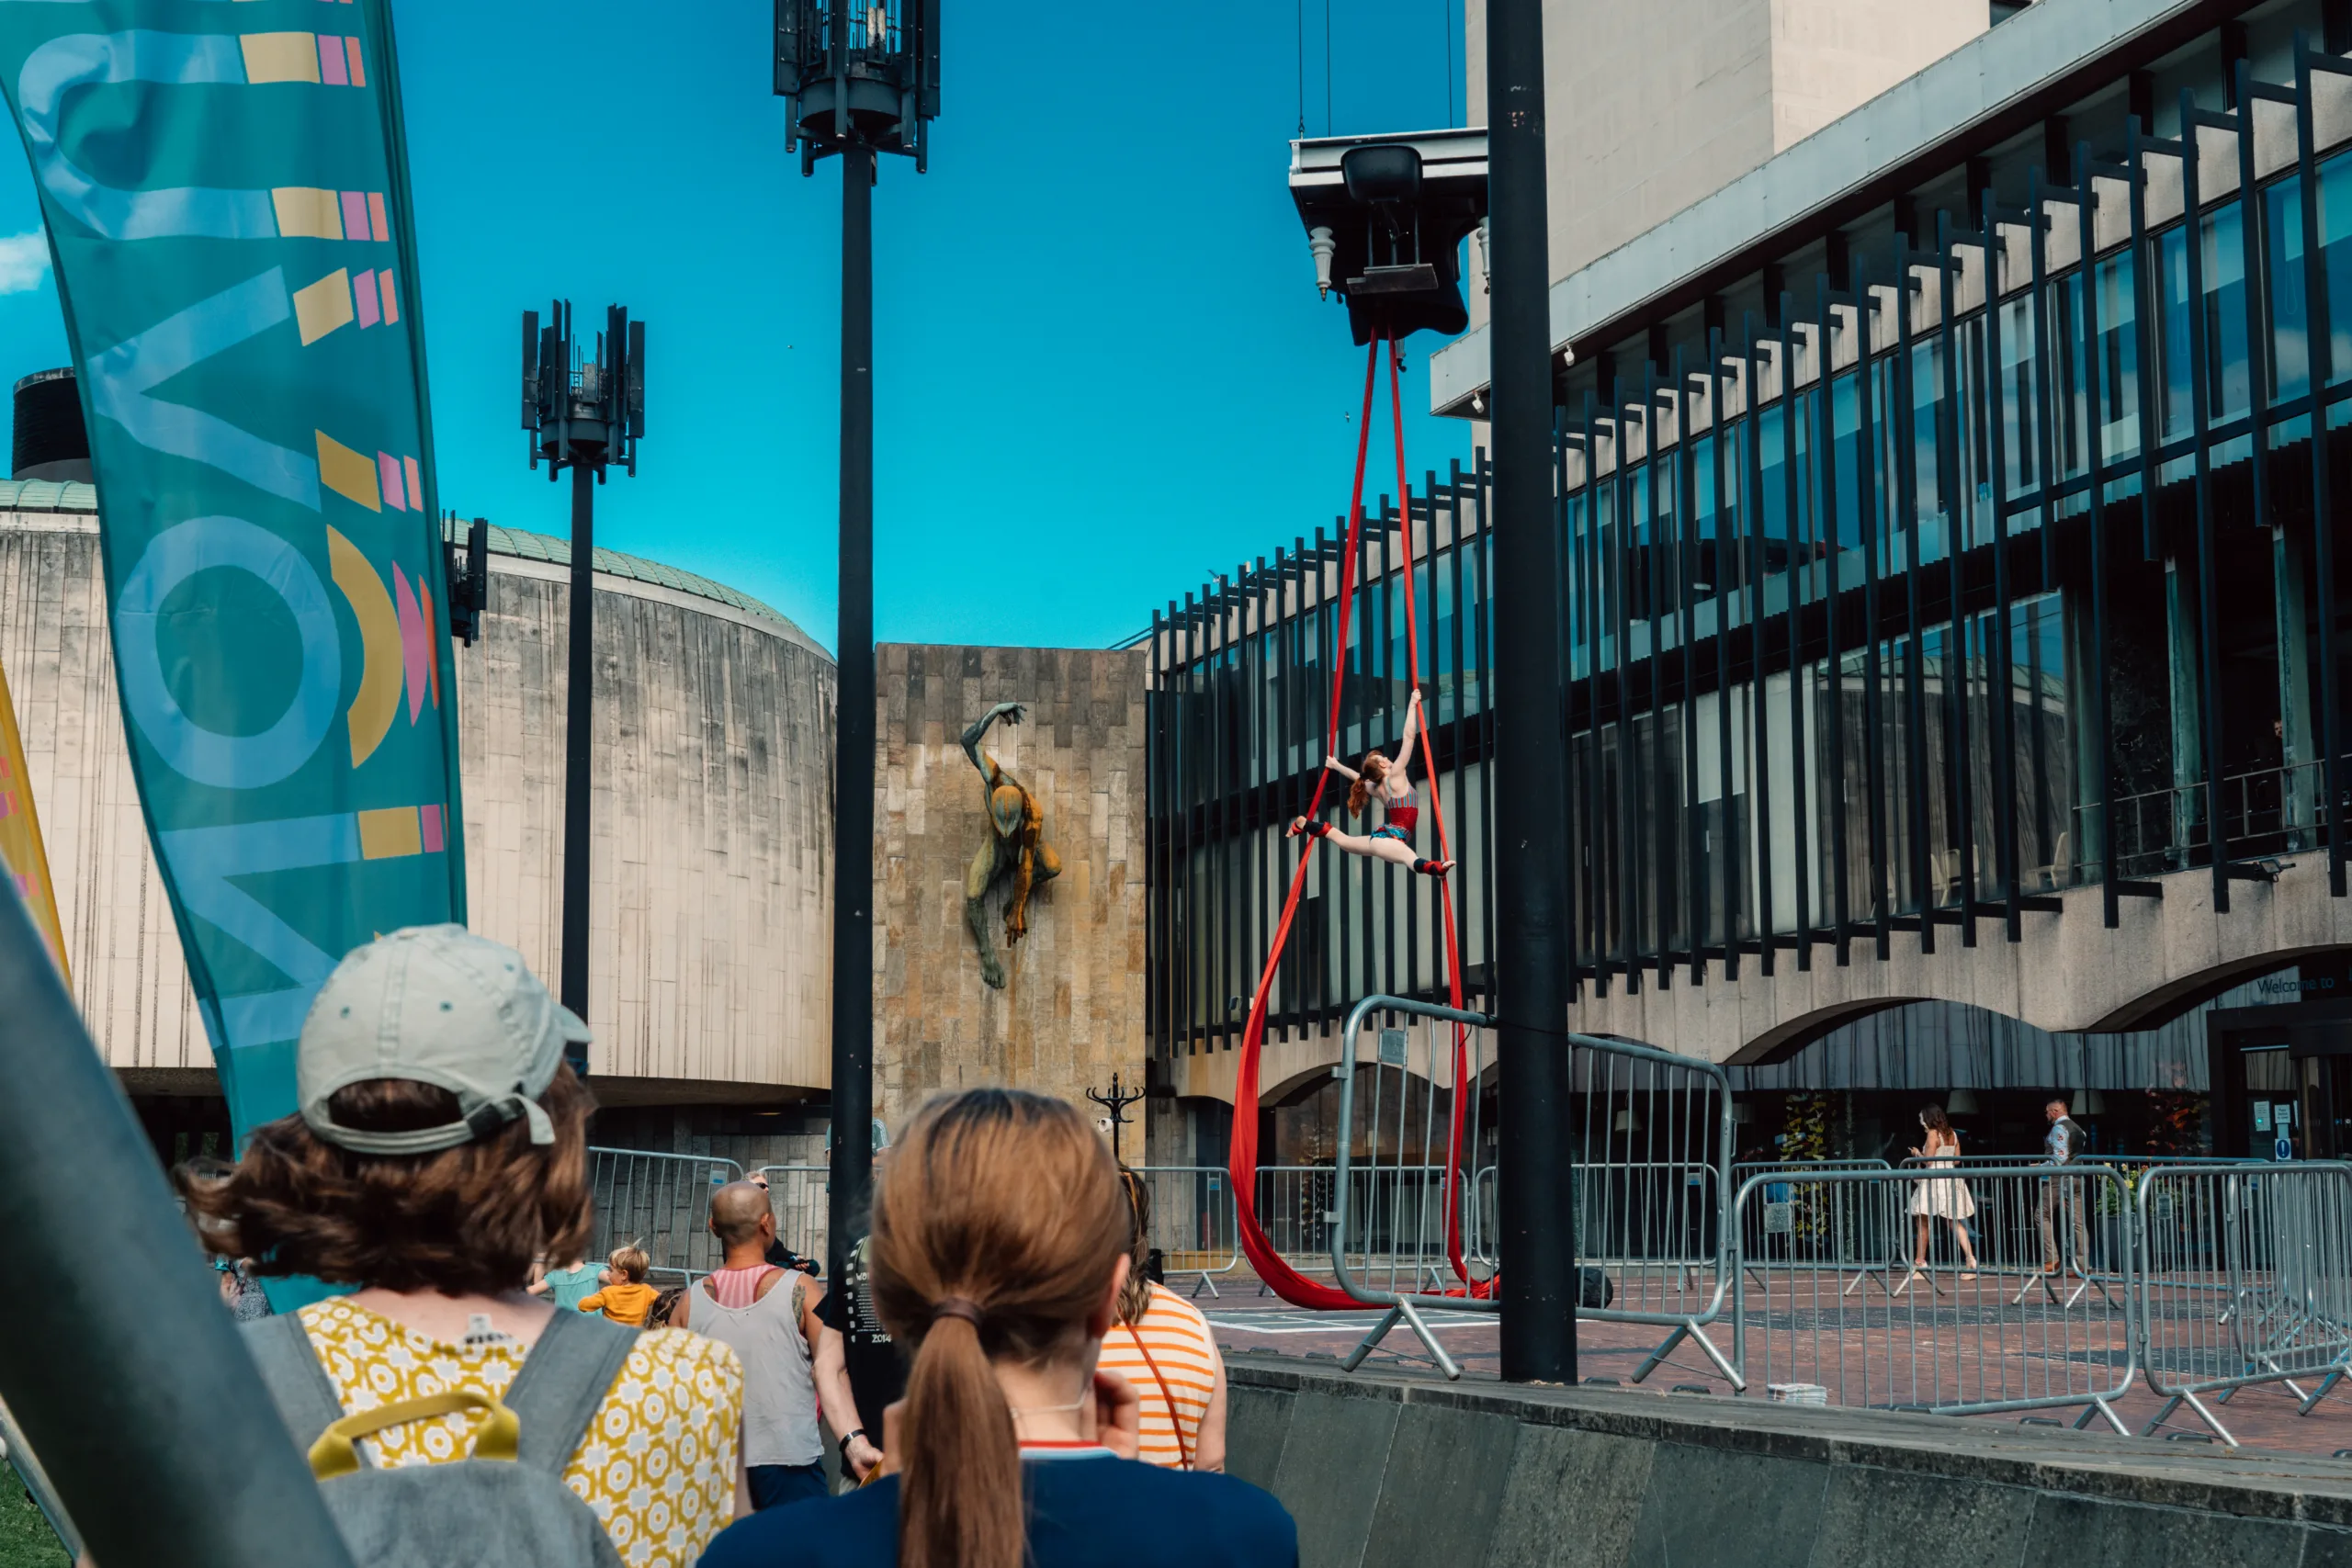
x=1394 y=1471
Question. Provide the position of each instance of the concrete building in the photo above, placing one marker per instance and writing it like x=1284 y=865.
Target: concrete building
x=1952 y=605
x=710 y=982
x=1647 y=108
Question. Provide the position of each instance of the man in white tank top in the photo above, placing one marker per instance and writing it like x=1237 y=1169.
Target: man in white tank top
x=769 y=1316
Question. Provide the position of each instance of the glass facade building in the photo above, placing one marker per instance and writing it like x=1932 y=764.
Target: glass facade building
x=1973 y=540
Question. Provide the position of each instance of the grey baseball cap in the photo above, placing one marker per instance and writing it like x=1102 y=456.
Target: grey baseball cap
x=435 y=1005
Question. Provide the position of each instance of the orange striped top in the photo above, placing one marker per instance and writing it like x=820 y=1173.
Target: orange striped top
x=1180 y=1344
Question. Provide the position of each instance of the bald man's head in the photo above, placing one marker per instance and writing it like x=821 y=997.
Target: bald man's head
x=736 y=1211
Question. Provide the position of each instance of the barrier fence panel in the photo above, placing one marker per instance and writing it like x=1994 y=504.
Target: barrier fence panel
x=1789 y=1217
x=797 y=1197
x=1193 y=1221
x=1649 y=1135
x=661 y=1203
x=1960 y=1290
x=2247 y=1280
x=1482 y=1222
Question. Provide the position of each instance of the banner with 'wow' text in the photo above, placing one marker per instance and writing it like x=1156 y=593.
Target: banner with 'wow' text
x=226 y=194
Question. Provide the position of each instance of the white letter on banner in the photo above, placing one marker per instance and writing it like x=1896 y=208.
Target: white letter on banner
x=203 y=860
x=121 y=375
x=227 y=761
x=93 y=60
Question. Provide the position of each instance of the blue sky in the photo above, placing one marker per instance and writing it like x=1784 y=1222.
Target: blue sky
x=1102 y=369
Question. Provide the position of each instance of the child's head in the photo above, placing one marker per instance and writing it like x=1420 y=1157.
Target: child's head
x=630 y=1263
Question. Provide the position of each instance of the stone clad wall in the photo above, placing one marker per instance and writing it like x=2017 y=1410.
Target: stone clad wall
x=1072 y=1010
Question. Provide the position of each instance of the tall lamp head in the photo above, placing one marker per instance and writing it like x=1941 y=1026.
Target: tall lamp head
x=858 y=73
x=582 y=411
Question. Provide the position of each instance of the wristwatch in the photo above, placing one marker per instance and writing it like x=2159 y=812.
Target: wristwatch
x=853 y=1437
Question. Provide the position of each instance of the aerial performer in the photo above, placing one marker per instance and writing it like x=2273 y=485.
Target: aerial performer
x=1390 y=780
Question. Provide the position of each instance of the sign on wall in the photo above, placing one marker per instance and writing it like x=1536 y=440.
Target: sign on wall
x=226 y=194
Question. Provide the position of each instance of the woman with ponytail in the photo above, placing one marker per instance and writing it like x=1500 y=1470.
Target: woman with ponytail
x=999 y=1253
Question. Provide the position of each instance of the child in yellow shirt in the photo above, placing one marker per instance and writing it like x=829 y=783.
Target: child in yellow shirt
x=625 y=1298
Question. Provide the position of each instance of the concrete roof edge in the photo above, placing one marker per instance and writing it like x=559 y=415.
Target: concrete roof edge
x=1940 y=103
x=74 y=498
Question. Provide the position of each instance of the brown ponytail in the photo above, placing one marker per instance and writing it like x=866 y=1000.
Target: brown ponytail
x=1136 y=1299
x=1373 y=772
x=1005 y=1206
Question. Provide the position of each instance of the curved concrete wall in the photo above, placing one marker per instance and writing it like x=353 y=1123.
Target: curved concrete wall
x=713 y=855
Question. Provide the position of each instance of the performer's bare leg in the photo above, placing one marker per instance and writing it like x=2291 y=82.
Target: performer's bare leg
x=1395 y=851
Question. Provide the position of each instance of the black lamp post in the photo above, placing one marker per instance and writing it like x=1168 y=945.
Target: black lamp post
x=858 y=77
x=582 y=414
x=1531 y=889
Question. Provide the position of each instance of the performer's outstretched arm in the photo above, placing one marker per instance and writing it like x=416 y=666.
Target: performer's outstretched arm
x=1412 y=733
x=1009 y=711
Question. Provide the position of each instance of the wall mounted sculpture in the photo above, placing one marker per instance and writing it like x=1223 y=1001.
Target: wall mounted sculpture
x=1016 y=846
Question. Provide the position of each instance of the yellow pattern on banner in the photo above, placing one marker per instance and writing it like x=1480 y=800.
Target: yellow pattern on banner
x=22 y=859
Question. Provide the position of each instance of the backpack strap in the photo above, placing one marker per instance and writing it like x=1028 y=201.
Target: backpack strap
x=306 y=1398
x=565 y=1376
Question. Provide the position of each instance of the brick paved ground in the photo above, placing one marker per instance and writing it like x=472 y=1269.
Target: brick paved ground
x=1970 y=1342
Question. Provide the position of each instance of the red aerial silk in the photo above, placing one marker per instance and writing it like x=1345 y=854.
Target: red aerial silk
x=1242 y=1164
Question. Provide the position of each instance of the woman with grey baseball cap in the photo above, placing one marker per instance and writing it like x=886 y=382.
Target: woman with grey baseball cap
x=440 y=1147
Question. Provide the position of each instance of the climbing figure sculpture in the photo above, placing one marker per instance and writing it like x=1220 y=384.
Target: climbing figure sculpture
x=1016 y=844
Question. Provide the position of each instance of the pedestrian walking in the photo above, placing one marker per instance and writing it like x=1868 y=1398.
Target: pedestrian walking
x=999 y=1250
x=441 y=1146
x=768 y=1315
x=1163 y=1346
x=624 y=1296
x=2064 y=1144
x=1945 y=1198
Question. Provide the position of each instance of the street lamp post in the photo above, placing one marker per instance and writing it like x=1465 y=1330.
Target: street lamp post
x=582 y=414
x=859 y=78
x=1538 y=1219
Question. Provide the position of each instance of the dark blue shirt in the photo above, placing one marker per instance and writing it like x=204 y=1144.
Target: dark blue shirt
x=1085 y=1508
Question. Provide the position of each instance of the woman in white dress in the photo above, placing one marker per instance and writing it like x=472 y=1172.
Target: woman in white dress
x=1945 y=1198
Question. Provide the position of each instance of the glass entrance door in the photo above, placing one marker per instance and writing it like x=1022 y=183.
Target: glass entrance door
x=2326 y=1107
x=2273 y=1102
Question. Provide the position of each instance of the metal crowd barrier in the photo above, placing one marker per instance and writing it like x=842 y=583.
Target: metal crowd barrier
x=1483 y=1222
x=1649 y=1134
x=661 y=1203
x=1194 y=1223
x=2247 y=1280
x=797 y=1197
x=2020 y=1330
x=1772 y=1228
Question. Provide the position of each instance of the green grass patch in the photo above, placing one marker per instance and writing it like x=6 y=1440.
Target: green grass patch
x=26 y=1540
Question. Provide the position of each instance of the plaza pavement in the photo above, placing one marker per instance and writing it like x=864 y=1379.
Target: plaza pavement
x=2262 y=1417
